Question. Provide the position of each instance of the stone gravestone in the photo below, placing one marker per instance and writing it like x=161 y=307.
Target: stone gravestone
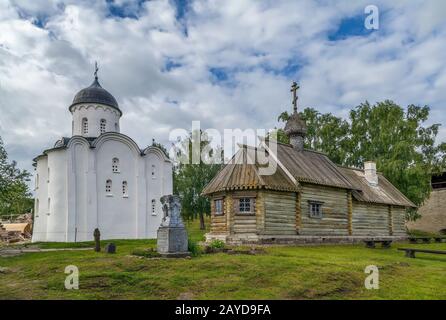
x=97 y=240
x=172 y=235
x=110 y=248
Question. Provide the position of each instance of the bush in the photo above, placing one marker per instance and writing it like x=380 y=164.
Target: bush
x=217 y=244
x=193 y=247
x=419 y=233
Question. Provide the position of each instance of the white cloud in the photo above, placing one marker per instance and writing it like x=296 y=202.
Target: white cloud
x=47 y=50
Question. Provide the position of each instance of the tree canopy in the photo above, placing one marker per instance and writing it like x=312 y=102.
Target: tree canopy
x=14 y=192
x=190 y=179
x=403 y=148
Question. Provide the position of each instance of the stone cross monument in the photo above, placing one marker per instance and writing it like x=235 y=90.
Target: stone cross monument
x=172 y=235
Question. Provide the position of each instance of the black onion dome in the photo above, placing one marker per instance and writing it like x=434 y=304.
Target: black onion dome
x=295 y=125
x=95 y=94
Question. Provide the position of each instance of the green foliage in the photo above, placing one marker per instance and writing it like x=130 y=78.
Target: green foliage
x=189 y=179
x=419 y=233
x=14 y=192
x=193 y=247
x=217 y=244
x=403 y=149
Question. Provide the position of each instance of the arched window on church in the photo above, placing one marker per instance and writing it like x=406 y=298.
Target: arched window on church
x=153 y=207
x=102 y=125
x=116 y=126
x=84 y=126
x=108 y=187
x=115 y=165
x=124 y=189
x=37 y=181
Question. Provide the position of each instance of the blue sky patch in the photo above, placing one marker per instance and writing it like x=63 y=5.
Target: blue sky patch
x=349 y=27
x=170 y=64
x=219 y=74
x=124 y=11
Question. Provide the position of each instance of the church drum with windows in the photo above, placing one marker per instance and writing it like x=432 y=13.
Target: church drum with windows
x=99 y=178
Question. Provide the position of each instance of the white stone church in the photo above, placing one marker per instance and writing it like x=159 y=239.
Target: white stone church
x=99 y=178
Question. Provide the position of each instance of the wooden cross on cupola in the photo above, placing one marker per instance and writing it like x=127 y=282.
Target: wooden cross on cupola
x=294 y=88
x=96 y=69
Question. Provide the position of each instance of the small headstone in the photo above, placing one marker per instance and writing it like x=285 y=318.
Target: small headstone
x=110 y=248
x=97 y=240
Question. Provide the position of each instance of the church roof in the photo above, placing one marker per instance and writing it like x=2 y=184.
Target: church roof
x=312 y=167
x=239 y=176
x=385 y=192
x=95 y=94
x=306 y=166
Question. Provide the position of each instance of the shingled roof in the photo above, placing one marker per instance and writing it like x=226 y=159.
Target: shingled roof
x=312 y=167
x=295 y=167
x=384 y=192
x=245 y=176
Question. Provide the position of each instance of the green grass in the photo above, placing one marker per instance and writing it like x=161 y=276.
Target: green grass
x=282 y=272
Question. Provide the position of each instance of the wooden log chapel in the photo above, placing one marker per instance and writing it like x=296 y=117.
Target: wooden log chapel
x=308 y=198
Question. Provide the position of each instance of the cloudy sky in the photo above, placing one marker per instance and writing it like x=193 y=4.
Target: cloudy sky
x=226 y=63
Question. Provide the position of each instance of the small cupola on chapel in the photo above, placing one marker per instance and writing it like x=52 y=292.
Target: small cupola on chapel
x=295 y=127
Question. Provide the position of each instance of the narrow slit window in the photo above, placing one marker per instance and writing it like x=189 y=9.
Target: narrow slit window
x=102 y=125
x=49 y=206
x=48 y=177
x=124 y=189
x=37 y=181
x=108 y=186
x=153 y=171
x=85 y=126
x=153 y=207
x=37 y=207
x=115 y=165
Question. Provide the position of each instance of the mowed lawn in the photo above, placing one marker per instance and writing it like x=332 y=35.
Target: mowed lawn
x=282 y=272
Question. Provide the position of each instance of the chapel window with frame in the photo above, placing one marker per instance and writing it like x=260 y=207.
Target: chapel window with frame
x=218 y=205
x=246 y=205
x=315 y=209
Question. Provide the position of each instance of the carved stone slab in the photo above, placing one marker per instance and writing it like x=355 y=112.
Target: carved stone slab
x=172 y=235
